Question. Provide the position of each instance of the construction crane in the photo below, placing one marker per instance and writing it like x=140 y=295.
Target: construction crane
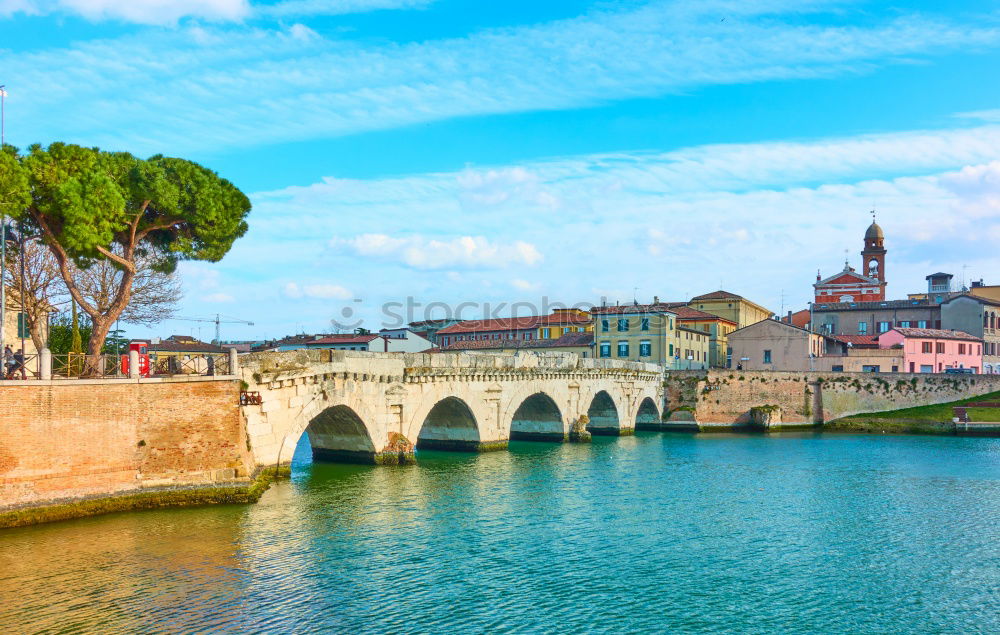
x=218 y=319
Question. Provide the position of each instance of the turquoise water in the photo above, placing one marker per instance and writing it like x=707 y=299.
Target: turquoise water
x=792 y=533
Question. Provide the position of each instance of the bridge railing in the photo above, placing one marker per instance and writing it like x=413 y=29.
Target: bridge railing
x=46 y=366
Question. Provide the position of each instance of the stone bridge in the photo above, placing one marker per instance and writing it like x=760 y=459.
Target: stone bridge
x=377 y=407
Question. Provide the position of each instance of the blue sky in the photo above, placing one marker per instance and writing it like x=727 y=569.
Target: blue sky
x=453 y=150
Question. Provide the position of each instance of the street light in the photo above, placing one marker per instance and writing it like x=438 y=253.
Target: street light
x=3 y=230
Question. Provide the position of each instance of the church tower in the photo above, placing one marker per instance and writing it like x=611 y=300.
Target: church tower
x=852 y=286
x=873 y=256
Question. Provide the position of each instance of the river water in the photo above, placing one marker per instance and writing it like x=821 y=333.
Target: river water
x=793 y=532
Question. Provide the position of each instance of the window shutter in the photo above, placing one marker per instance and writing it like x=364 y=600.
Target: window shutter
x=22 y=326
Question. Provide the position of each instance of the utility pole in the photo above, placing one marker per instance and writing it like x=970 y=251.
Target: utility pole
x=3 y=230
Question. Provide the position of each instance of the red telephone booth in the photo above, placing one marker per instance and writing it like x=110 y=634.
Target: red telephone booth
x=141 y=347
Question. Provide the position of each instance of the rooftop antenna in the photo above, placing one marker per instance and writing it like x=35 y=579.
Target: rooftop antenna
x=846 y=260
x=782 y=314
x=964 y=267
x=635 y=295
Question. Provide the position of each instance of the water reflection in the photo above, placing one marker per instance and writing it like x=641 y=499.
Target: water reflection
x=799 y=532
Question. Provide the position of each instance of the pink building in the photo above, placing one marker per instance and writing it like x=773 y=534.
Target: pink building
x=934 y=350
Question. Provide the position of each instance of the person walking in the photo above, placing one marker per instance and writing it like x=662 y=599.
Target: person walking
x=19 y=364
x=8 y=363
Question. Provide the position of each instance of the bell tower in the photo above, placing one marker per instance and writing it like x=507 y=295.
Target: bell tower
x=873 y=255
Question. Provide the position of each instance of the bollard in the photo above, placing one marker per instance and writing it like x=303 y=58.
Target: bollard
x=133 y=364
x=234 y=362
x=45 y=364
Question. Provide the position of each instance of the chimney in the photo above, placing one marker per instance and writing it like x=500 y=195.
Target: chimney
x=656 y=299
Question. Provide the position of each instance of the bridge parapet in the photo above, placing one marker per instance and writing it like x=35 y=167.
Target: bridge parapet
x=377 y=406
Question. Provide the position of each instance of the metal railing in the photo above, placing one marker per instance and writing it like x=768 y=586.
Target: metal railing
x=25 y=368
x=205 y=365
x=83 y=366
x=78 y=365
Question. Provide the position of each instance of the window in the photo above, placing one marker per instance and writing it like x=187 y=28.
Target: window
x=870 y=369
x=905 y=324
x=623 y=348
x=22 y=326
x=862 y=328
x=645 y=349
x=922 y=324
x=895 y=369
x=604 y=326
x=837 y=368
x=927 y=368
x=622 y=324
x=767 y=357
x=961 y=349
x=644 y=324
x=546 y=333
x=883 y=327
x=925 y=347
x=913 y=367
x=671 y=350
x=939 y=348
x=605 y=349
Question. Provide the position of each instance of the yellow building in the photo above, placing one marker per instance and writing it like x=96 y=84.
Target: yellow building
x=731 y=307
x=693 y=349
x=563 y=322
x=638 y=333
x=717 y=328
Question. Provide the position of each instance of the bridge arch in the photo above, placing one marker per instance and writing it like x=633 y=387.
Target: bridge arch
x=647 y=416
x=339 y=434
x=537 y=418
x=449 y=425
x=603 y=415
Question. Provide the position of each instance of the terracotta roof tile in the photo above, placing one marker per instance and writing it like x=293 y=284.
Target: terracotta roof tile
x=940 y=334
x=499 y=324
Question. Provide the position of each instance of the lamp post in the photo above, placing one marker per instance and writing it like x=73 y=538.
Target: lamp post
x=3 y=231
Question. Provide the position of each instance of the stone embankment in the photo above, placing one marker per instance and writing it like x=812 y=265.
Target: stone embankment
x=727 y=399
x=77 y=447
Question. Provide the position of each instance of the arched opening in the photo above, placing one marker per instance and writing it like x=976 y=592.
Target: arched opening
x=603 y=416
x=450 y=425
x=339 y=435
x=648 y=416
x=537 y=419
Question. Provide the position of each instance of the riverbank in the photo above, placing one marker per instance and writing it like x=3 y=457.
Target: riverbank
x=155 y=499
x=935 y=419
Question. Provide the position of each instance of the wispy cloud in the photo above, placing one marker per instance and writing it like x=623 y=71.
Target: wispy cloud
x=303 y=8
x=209 y=88
x=316 y=291
x=423 y=253
x=158 y=12
x=669 y=223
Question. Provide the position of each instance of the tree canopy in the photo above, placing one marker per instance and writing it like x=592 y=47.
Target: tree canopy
x=90 y=206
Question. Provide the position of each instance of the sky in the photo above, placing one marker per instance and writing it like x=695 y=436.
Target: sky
x=411 y=159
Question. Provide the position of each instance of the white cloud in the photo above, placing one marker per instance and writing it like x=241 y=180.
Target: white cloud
x=138 y=11
x=234 y=86
x=218 y=298
x=422 y=253
x=317 y=291
x=298 y=8
x=524 y=285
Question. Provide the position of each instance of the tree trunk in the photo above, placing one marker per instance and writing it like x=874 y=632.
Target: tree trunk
x=96 y=343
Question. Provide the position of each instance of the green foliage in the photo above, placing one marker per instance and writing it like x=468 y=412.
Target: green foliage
x=61 y=334
x=89 y=197
x=76 y=341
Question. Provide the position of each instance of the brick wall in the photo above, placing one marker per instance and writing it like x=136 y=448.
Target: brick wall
x=726 y=396
x=67 y=440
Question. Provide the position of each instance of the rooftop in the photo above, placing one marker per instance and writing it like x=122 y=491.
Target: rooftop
x=717 y=295
x=939 y=334
x=567 y=340
x=349 y=338
x=498 y=324
x=620 y=309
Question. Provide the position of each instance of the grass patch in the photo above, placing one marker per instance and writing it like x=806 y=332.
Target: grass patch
x=983 y=414
x=935 y=413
